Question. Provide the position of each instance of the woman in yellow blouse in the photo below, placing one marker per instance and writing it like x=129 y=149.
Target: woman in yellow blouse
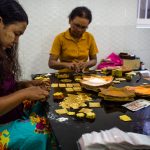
x=74 y=49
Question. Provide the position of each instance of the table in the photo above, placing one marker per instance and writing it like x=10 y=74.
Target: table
x=68 y=132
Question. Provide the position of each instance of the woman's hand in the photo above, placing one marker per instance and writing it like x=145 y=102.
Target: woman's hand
x=70 y=65
x=43 y=84
x=81 y=66
x=34 y=93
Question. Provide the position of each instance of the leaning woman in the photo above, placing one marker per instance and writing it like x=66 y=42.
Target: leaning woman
x=22 y=125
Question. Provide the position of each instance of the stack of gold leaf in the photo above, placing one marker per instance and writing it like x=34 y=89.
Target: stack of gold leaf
x=143 y=90
x=117 y=94
x=94 y=82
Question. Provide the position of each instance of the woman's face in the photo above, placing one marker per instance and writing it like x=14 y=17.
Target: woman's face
x=78 y=26
x=9 y=34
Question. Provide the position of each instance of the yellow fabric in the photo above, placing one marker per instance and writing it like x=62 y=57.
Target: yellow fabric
x=70 y=50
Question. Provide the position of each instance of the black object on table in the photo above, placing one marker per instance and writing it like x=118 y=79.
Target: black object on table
x=68 y=132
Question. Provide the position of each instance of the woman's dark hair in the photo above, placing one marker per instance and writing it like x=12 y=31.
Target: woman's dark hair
x=83 y=12
x=10 y=12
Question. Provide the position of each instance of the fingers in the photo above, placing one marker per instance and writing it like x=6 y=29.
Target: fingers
x=83 y=66
x=47 y=88
x=46 y=83
x=77 y=66
x=73 y=66
x=36 y=93
x=83 y=70
x=45 y=93
x=36 y=82
x=42 y=93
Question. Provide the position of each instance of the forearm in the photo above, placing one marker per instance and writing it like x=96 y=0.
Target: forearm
x=22 y=84
x=7 y=103
x=91 y=63
x=57 y=65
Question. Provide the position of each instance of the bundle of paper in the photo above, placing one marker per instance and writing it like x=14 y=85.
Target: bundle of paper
x=141 y=90
x=113 y=139
x=93 y=82
x=116 y=94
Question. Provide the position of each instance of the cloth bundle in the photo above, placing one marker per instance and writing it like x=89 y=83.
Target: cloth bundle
x=114 y=139
x=111 y=61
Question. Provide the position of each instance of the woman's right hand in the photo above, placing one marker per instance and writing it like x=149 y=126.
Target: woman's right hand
x=70 y=65
x=34 y=93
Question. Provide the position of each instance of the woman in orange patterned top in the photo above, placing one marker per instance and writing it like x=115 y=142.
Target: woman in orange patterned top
x=74 y=49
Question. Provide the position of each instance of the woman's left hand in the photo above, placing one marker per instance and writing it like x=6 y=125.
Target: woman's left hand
x=43 y=84
x=82 y=66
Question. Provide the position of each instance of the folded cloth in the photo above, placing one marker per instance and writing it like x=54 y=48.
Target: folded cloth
x=114 y=139
x=114 y=60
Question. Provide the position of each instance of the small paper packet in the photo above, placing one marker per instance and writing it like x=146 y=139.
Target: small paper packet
x=137 y=105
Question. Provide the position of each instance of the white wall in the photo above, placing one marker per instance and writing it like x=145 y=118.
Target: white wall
x=113 y=26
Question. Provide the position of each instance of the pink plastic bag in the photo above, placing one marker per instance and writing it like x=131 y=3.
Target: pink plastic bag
x=114 y=60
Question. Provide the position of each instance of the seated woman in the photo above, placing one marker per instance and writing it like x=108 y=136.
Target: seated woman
x=74 y=49
x=18 y=128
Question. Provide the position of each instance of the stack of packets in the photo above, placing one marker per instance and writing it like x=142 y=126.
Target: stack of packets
x=137 y=105
x=113 y=139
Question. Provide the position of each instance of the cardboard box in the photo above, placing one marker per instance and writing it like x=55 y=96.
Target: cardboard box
x=134 y=64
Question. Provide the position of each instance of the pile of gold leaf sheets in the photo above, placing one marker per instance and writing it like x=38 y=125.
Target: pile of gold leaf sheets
x=94 y=82
x=75 y=101
x=117 y=94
